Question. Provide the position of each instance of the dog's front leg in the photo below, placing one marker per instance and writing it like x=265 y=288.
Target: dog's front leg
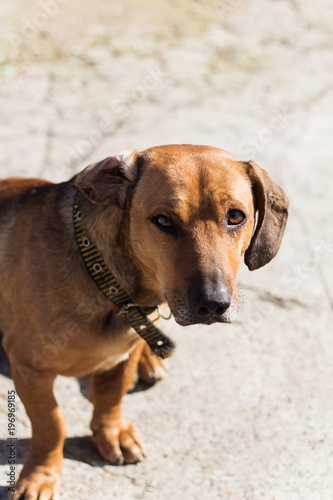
x=40 y=476
x=117 y=440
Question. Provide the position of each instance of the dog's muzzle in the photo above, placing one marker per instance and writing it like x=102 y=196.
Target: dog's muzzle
x=204 y=306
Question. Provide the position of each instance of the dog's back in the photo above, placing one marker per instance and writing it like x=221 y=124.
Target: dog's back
x=15 y=193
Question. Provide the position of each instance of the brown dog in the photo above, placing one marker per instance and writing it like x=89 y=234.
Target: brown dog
x=172 y=223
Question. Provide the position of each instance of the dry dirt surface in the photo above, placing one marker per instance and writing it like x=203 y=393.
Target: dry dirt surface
x=246 y=411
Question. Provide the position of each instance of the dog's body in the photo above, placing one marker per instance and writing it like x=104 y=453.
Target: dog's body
x=172 y=224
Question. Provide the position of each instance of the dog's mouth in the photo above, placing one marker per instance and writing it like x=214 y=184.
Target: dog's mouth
x=203 y=306
x=192 y=321
x=185 y=316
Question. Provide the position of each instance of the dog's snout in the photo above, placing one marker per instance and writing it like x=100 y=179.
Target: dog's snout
x=211 y=303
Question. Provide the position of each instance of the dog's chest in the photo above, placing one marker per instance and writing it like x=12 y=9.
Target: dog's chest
x=110 y=362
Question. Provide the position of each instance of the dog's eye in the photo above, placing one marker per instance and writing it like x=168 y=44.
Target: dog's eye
x=163 y=221
x=235 y=217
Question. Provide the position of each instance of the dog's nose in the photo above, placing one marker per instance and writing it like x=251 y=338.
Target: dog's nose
x=209 y=303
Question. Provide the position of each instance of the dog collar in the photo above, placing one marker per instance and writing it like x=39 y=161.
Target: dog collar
x=159 y=343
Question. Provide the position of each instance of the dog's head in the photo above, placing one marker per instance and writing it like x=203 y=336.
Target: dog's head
x=194 y=211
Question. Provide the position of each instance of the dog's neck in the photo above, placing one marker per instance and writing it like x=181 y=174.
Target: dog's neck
x=108 y=227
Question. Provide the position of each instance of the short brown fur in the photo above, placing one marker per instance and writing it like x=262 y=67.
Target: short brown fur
x=161 y=220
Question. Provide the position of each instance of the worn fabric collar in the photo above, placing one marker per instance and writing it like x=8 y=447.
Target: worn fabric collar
x=159 y=343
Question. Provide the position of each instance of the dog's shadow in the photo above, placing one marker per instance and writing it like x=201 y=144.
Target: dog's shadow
x=80 y=449
x=4 y=363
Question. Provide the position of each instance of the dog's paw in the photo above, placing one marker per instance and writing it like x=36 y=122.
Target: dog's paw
x=151 y=368
x=37 y=485
x=119 y=443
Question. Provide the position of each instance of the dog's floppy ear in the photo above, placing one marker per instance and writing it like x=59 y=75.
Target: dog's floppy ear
x=108 y=181
x=271 y=204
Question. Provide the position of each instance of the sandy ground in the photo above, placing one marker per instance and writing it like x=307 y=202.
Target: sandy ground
x=246 y=411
